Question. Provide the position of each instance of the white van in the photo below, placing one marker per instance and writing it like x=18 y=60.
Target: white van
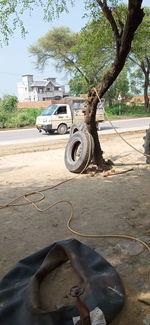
x=55 y=117
x=60 y=117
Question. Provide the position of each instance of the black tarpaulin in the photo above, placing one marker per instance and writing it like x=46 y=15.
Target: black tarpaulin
x=20 y=288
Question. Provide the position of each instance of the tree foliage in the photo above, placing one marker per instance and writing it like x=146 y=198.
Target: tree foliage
x=87 y=55
x=121 y=86
x=78 y=85
x=8 y=103
x=11 y=14
x=140 y=57
x=57 y=44
x=77 y=53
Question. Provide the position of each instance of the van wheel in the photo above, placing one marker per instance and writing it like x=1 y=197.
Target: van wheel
x=62 y=129
x=79 y=151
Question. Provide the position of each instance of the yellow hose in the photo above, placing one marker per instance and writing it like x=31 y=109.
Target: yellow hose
x=28 y=201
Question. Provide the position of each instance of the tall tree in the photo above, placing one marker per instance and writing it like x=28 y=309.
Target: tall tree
x=140 y=56
x=123 y=31
x=123 y=34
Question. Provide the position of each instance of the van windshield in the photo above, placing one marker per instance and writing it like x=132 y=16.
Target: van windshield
x=49 y=110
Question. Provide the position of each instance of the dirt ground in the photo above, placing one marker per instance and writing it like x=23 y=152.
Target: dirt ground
x=102 y=205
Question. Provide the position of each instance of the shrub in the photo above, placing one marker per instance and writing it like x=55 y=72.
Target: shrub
x=117 y=109
x=123 y=109
x=24 y=119
x=18 y=118
x=3 y=118
x=8 y=103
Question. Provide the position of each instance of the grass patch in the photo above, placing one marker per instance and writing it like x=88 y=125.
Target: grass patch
x=19 y=117
x=125 y=111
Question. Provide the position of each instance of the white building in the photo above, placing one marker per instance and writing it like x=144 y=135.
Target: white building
x=30 y=90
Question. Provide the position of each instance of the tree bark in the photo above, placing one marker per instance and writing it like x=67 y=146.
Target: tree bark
x=146 y=97
x=145 y=66
x=123 y=45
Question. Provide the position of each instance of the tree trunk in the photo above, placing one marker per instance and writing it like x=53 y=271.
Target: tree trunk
x=123 y=45
x=93 y=100
x=146 y=97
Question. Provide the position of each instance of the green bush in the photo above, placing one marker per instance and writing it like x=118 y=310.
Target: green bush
x=127 y=110
x=24 y=119
x=18 y=118
x=8 y=103
x=117 y=109
x=3 y=119
x=34 y=112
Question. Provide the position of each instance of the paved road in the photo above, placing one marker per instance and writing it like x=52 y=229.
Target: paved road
x=30 y=135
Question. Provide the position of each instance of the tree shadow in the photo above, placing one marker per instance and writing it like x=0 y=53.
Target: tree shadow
x=119 y=204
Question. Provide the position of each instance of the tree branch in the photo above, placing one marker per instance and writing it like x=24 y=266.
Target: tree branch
x=148 y=63
x=134 y=61
x=76 y=66
x=119 y=21
x=108 y=14
x=134 y=18
x=143 y=67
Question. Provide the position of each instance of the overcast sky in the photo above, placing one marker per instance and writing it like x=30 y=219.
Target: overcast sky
x=15 y=59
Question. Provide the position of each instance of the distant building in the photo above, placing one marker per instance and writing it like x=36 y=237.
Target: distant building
x=47 y=89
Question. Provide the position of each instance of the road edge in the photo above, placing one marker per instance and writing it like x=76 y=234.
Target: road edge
x=28 y=147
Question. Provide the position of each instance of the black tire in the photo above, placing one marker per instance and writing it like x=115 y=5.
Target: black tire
x=51 y=131
x=78 y=152
x=78 y=126
x=147 y=145
x=62 y=129
x=74 y=128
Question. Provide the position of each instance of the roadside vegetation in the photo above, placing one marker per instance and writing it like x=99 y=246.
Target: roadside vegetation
x=13 y=117
x=125 y=111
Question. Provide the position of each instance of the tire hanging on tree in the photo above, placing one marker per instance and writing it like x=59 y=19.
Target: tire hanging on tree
x=78 y=126
x=79 y=152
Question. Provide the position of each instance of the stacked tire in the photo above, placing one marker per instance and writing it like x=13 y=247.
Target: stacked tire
x=147 y=146
x=79 y=150
x=78 y=126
